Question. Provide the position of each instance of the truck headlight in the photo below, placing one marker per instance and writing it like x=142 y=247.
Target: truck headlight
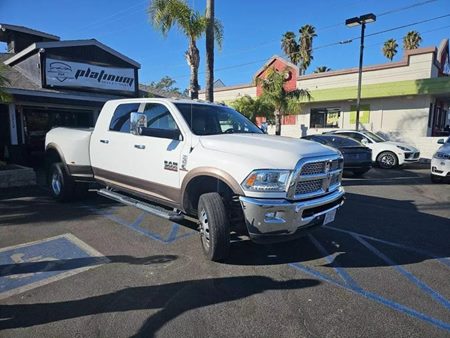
x=267 y=180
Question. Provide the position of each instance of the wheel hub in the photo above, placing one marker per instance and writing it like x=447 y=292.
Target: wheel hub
x=204 y=228
x=56 y=183
x=387 y=160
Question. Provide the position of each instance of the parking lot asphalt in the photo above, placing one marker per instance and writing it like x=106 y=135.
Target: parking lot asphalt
x=95 y=268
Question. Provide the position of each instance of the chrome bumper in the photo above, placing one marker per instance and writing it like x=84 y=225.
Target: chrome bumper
x=278 y=219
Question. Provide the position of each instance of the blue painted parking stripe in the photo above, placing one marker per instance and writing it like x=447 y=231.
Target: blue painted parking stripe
x=372 y=296
x=413 y=279
x=444 y=260
x=329 y=258
x=135 y=226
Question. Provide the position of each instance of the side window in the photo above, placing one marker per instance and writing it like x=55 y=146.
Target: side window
x=120 y=120
x=359 y=137
x=159 y=117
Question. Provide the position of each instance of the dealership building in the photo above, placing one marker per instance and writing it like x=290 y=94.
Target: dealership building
x=406 y=100
x=56 y=83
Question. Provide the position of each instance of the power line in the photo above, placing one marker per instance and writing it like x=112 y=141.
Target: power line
x=330 y=44
x=408 y=25
x=421 y=33
x=406 y=7
x=395 y=10
x=107 y=19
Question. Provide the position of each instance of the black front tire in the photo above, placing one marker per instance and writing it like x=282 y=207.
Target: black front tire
x=61 y=185
x=214 y=226
x=387 y=160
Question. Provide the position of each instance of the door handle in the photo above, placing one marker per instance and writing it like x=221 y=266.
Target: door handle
x=139 y=146
x=104 y=141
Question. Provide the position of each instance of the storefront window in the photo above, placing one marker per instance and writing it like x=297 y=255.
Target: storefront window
x=325 y=117
x=38 y=121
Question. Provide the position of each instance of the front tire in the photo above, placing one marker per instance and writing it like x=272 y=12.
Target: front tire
x=61 y=184
x=214 y=226
x=387 y=160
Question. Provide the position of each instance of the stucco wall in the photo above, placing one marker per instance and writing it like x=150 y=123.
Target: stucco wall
x=420 y=67
x=388 y=117
x=231 y=94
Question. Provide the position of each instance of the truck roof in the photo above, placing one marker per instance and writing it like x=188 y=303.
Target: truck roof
x=172 y=100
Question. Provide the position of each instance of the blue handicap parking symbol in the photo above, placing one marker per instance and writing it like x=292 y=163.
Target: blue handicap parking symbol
x=26 y=266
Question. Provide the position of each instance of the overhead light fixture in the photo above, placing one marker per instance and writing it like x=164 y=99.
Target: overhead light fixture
x=352 y=22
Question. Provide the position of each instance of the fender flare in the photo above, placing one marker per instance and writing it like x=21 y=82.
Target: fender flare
x=210 y=172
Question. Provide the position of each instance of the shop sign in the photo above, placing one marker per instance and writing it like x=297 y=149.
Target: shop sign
x=61 y=73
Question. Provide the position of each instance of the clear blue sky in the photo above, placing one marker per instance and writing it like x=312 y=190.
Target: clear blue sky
x=252 y=31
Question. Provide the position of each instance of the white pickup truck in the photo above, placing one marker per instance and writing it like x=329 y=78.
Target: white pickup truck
x=176 y=158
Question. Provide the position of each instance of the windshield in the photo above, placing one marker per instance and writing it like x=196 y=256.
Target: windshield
x=215 y=120
x=374 y=137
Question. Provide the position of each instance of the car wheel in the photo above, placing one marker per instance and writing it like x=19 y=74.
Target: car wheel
x=214 y=226
x=61 y=184
x=360 y=172
x=387 y=160
x=435 y=179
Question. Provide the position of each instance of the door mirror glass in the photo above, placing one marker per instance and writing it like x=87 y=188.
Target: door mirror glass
x=441 y=141
x=137 y=122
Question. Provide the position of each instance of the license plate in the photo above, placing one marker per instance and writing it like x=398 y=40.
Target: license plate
x=329 y=217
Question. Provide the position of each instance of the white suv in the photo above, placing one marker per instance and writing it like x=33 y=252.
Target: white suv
x=387 y=154
x=440 y=163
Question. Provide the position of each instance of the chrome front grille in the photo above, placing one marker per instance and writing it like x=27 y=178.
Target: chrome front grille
x=308 y=187
x=315 y=177
x=313 y=168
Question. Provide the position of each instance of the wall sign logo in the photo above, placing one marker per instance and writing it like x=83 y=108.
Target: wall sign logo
x=77 y=74
x=61 y=70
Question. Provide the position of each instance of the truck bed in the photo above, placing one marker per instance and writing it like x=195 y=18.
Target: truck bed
x=73 y=143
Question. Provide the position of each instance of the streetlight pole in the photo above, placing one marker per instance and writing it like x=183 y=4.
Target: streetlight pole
x=361 y=56
x=362 y=20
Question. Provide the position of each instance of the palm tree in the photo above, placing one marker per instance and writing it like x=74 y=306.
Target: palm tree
x=390 y=48
x=252 y=108
x=307 y=34
x=290 y=47
x=164 y=14
x=282 y=101
x=4 y=81
x=210 y=50
x=322 y=69
x=412 y=40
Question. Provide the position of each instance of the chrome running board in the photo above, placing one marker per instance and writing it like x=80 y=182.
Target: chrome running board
x=144 y=206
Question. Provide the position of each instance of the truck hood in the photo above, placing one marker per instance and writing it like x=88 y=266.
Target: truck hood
x=273 y=151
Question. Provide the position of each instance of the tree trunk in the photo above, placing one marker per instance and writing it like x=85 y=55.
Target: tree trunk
x=277 y=123
x=210 y=51
x=193 y=60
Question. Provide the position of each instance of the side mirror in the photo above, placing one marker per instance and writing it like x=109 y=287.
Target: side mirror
x=137 y=122
x=364 y=141
x=441 y=141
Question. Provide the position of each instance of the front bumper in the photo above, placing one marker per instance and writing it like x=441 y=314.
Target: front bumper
x=278 y=220
x=440 y=167
x=411 y=157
